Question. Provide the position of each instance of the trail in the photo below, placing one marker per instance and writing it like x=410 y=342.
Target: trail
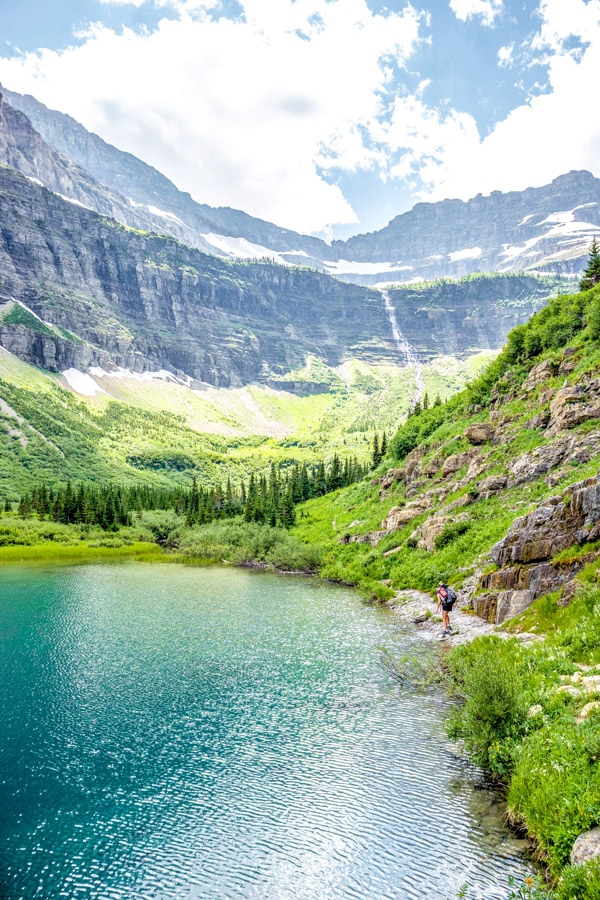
x=407 y=352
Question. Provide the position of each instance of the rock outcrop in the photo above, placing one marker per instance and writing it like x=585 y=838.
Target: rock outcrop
x=525 y=557
x=399 y=516
x=574 y=404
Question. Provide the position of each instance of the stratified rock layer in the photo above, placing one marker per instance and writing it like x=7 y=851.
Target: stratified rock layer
x=525 y=556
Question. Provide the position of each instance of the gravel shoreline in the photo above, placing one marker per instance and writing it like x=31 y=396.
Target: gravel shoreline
x=413 y=606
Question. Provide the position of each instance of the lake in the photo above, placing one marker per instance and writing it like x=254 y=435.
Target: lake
x=180 y=732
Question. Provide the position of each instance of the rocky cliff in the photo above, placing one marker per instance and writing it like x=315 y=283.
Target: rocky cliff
x=546 y=229
x=448 y=318
x=136 y=180
x=142 y=301
x=146 y=302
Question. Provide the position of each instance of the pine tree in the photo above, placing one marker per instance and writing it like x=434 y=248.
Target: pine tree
x=437 y=401
x=591 y=276
x=384 y=445
x=335 y=480
x=376 y=454
x=425 y=400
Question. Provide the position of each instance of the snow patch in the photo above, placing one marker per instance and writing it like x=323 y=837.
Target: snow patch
x=164 y=215
x=240 y=248
x=73 y=201
x=467 y=253
x=161 y=374
x=348 y=267
x=81 y=383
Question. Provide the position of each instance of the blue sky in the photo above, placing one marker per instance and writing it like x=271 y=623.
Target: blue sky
x=326 y=116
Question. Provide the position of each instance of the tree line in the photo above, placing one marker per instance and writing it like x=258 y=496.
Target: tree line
x=270 y=499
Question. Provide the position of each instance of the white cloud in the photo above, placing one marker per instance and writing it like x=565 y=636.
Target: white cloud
x=467 y=9
x=236 y=112
x=505 y=56
x=241 y=113
x=125 y=2
x=550 y=134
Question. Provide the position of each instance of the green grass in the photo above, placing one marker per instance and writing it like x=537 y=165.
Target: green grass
x=50 y=551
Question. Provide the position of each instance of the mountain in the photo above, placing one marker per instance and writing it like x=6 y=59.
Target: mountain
x=547 y=229
x=145 y=188
x=81 y=290
x=542 y=230
x=115 y=296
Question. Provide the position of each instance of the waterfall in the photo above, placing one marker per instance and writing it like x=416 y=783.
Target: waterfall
x=406 y=351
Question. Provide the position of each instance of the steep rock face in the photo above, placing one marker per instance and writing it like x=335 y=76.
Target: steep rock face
x=441 y=319
x=526 y=570
x=148 y=302
x=22 y=148
x=503 y=232
x=134 y=179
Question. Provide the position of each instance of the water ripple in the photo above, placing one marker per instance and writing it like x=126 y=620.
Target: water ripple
x=177 y=734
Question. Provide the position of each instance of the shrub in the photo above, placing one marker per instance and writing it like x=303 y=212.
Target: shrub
x=556 y=785
x=450 y=532
x=249 y=542
x=580 y=882
x=162 y=523
x=492 y=679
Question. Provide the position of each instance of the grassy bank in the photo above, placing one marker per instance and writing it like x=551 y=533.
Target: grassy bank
x=159 y=535
x=528 y=716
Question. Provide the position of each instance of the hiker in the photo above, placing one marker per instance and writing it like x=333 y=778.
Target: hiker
x=445 y=597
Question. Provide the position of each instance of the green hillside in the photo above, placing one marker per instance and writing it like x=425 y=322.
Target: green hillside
x=565 y=336
x=161 y=432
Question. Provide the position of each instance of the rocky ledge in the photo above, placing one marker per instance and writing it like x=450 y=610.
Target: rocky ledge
x=527 y=567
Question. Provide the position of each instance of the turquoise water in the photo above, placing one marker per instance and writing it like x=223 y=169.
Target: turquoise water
x=174 y=732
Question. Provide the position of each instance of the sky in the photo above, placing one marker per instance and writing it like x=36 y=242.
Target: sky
x=328 y=117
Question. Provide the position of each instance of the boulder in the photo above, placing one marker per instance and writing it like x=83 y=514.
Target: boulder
x=390 y=477
x=431 y=529
x=540 y=421
x=538 y=374
x=586 y=847
x=372 y=538
x=511 y=603
x=574 y=404
x=456 y=462
x=586 y=711
x=398 y=516
x=432 y=467
x=492 y=484
x=530 y=466
x=479 y=433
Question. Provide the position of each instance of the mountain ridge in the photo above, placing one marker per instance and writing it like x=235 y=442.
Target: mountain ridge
x=449 y=238
x=147 y=302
